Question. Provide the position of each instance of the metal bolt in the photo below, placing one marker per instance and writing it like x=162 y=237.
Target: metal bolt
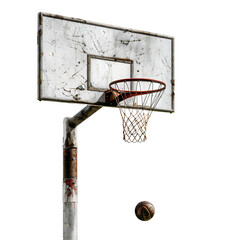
x=81 y=87
x=76 y=97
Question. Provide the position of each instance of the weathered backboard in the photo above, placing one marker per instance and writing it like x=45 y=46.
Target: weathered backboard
x=78 y=59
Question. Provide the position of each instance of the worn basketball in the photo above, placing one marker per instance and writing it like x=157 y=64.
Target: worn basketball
x=144 y=211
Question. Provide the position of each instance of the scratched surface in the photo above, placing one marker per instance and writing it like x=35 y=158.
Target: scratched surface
x=66 y=45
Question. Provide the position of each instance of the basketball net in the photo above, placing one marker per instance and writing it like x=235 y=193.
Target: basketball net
x=136 y=99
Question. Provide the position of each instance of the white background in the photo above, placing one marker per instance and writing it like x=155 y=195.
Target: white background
x=188 y=168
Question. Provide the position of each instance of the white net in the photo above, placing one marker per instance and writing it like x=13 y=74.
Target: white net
x=136 y=98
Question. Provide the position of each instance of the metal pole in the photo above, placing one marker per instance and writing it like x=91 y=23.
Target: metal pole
x=83 y=115
x=70 y=186
x=70 y=199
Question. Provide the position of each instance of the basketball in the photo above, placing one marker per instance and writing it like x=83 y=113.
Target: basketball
x=144 y=211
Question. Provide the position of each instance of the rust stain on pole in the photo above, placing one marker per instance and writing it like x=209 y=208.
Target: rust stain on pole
x=70 y=162
x=70 y=191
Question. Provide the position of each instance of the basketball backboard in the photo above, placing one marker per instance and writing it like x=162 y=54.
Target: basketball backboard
x=78 y=60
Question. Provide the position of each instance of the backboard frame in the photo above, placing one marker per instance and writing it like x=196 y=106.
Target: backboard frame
x=78 y=20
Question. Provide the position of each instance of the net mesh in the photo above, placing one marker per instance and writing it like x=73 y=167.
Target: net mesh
x=136 y=98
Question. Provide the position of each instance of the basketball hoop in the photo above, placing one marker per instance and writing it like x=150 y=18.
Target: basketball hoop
x=136 y=98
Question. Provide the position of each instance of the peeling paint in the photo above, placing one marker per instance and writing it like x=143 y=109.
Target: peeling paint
x=70 y=190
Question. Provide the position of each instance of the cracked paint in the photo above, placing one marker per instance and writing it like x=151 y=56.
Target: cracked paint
x=66 y=44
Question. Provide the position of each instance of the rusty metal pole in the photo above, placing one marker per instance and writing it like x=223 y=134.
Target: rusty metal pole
x=70 y=192
x=70 y=184
x=83 y=115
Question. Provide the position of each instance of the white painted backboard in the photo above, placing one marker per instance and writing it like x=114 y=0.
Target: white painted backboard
x=78 y=59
